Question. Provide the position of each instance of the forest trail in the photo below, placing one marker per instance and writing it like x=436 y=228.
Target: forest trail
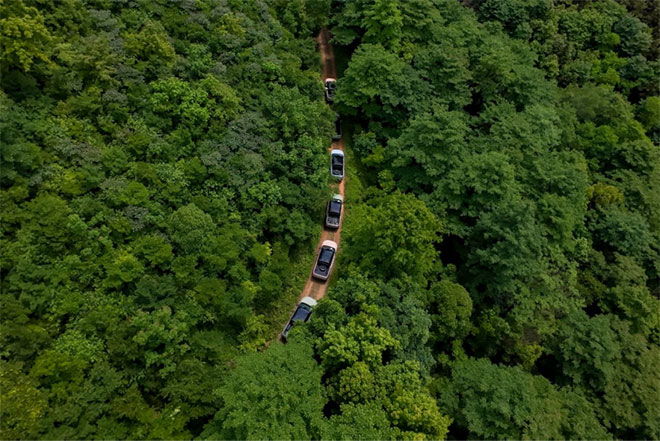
x=316 y=288
x=327 y=55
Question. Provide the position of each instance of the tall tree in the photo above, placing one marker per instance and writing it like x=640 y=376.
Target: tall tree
x=276 y=394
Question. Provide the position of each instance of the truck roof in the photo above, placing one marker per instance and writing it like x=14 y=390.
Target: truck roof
x=329 y=243
x=308 y=301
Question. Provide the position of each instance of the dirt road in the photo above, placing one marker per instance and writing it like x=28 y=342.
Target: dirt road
x=327 y=55
x=315 y=288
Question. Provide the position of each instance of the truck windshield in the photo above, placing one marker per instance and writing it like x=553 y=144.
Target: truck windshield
x=335 y=208
x=301 y=313
x=326 y=256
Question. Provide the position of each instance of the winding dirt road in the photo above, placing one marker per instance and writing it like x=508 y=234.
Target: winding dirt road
x=316 y=288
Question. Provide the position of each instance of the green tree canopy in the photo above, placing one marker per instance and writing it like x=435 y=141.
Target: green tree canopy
x=394 y=234
x=276 y=394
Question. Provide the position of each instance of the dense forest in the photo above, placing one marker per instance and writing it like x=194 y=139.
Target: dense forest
x=163 y=169
x=507 y=238
x=164 y=176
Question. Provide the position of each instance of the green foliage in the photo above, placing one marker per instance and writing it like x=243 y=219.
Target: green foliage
x=188 y=227
x=501 y=402
x=389 y=91
x=614 y=366
x=21 y=402
x=149 y=43
x=582 y=42
x=648 y=114
x=25 y=37
x=428 y=148
x=360 y=422
x=371 y=340
x=163 y=165
x=528 y=129
x=361 y=340
x=276 y=394
x=394 y=234
x=450 y=307
x=193 y=105
x=382 y=23
x=359 y=381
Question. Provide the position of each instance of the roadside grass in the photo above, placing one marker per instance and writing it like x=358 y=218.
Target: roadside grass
x=277 y=315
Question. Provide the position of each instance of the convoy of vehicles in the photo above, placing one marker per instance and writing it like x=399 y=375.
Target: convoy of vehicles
x=326 y=257
x=325 y=260
x=302 y=314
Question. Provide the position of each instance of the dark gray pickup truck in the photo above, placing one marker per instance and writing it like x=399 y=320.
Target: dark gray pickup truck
x=333 y=212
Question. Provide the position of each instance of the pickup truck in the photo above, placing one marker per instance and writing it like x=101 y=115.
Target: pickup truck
x=333 y=212
x=325 y=260
x=337 y=164
x=301 y=314
x=330 y=90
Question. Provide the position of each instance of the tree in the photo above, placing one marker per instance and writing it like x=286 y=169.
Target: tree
x=360 y=340
x=394 y=234
x=124 y=268
x=396 y=304
x=25 y=37
x=428 y=148
x=496 y=402
x=164 y=164
x=516 y=15
x=635 y=35
x=446 y=63
x=626 y=294
x=377 y=84
x=615 y=367
x=153 y=249
x=395 y=388
x=139 y=147
x=193 y=104
x=648 y=114
x=504 y=70
x=150 y=43
x=22 y=404
x=276 y=394
x=514 y=126
x=189 y=227
x=382 y=22
x=450 y=306
x=361 y=422
x=408 y=402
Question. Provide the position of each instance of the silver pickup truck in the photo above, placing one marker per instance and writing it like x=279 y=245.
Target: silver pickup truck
x=325 y=261
x=337 y=164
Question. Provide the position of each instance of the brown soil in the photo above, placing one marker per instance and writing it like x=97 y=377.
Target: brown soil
x=327 y=55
